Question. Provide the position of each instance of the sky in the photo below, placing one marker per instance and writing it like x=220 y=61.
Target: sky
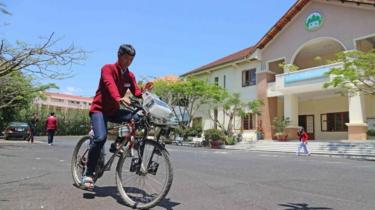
x=170 y=37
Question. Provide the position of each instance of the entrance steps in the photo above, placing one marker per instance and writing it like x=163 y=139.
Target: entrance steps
x=363 y=149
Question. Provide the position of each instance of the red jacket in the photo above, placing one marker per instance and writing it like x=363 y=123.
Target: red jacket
x=51 y=123
x=113 y=84
x=304 y=137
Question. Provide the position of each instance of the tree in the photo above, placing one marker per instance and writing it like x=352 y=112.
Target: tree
x=16 y=90
x=357 y=73
x=17 y=93
x=233 y=106
x=186 y=97
x=41 y=59
x=3 y=9
x=21 y=64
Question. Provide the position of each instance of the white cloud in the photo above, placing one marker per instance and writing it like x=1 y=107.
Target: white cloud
x=72 y=90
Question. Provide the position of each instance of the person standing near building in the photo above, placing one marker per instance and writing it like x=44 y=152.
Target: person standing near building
x=303 y=138
x=32 y=123
x=51 y=127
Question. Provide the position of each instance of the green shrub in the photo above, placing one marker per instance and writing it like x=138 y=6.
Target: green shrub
x=73 y=122
x=371 y=132
x=214 y=134
x=194 y=131
x=280 y=123
x=230 y=140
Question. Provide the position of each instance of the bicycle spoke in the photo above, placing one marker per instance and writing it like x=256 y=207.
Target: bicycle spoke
x=155 y=181
x=152 y=188
x=150 y=178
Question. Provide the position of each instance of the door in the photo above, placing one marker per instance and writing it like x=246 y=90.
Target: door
x=307 y=122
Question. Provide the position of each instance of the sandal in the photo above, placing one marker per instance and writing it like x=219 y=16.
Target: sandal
x=87 y=183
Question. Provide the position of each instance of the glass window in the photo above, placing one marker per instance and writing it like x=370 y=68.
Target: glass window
x=248 y=121
x=249 y=77
x=332 y=122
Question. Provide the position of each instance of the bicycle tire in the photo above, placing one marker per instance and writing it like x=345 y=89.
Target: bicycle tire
x=73 y=167
x=167 y=185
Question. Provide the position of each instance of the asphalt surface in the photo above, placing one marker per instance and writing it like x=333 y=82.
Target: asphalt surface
x=37 y=176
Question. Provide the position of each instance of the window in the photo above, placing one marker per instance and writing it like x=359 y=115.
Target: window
x=248 y=77
x=225 y=81
x=332 y=122
x=216 y=80
x=74 y=102
x=248 y=121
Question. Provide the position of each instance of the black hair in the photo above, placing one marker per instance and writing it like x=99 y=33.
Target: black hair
x=126 y=49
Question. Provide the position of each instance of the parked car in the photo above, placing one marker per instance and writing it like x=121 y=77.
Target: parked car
x=17 y=130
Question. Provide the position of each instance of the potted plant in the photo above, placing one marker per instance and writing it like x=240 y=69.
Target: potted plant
x=214 y=137
x=279 y=124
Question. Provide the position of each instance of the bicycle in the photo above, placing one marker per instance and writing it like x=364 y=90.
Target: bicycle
x=141 y=163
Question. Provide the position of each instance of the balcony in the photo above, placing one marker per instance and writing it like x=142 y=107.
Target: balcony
x=305 y=80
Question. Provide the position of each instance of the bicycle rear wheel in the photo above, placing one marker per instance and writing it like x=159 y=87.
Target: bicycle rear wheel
x=143 y=184
x=79 y=159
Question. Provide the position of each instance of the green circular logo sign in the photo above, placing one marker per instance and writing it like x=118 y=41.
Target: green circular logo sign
x=314 y=21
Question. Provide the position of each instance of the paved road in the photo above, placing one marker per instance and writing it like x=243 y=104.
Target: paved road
x=37 y=176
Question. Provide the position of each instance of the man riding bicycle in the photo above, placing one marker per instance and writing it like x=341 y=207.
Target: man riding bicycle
x=115 y=80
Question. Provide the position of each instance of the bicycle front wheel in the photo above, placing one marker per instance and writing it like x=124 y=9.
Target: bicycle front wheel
x=143 y=181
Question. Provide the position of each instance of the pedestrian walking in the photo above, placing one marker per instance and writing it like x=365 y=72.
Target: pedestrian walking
x=32 y=123
x=303 y=138
x=51 y=127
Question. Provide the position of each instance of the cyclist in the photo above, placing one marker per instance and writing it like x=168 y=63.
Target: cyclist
x=114 y=82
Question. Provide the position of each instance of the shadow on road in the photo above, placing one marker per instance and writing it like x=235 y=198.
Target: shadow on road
x=168 y=204
x=301 y=206
x=112 y=191
x=104 y=192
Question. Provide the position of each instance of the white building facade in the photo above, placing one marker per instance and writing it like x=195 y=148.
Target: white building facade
x=310 y=34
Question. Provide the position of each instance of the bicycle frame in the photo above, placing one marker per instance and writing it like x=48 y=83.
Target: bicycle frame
x=128 y=143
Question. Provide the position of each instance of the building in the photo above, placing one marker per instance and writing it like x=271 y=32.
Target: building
x=63 y=102
x=309 y=34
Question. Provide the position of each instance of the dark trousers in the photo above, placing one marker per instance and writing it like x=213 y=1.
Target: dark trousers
x=51 y=133
x=31 y=137
x=99 y=125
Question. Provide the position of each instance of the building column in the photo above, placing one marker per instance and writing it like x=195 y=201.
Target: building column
x=291 y=112
x=357 y=128
x=269 y=109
